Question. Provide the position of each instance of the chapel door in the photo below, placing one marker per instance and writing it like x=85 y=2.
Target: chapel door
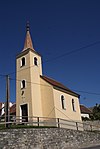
x=24 y=109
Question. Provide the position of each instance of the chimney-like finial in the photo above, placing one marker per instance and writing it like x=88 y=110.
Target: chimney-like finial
x=27 y=26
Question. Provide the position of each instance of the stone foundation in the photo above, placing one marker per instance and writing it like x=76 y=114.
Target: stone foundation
x=47 y=138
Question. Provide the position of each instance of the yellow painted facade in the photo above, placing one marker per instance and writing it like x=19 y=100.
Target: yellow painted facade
x=67 y=113
x=43 y=99
x=31 y=94
x=47 y=97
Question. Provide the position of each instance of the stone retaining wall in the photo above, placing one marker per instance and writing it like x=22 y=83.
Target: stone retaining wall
x=46 y=138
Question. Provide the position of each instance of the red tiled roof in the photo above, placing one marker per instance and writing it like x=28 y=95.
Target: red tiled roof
x=85 y=110
x=59 y=86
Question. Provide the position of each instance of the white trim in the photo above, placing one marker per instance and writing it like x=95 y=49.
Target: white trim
x=65 y=104
x=73 y=105
x=37 y=61
x=64 y=101
x=21 y=85
x=21 y=109
x=21 y=61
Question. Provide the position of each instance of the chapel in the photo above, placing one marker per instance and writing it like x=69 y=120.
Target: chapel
x=38 y=95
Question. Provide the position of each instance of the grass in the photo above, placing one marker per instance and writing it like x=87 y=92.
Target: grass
x=23 y=126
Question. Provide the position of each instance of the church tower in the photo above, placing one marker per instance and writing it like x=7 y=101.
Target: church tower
x=28 y=71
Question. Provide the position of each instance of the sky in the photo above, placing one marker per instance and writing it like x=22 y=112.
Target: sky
x=67 y=35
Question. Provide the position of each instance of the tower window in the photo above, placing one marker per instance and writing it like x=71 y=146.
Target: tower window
x=23 y=84
x=35 y=61
x=73 y=105
x=23 y=61
x=62 y=102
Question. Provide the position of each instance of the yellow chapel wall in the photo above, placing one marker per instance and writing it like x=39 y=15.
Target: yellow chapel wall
x=68 y=112
x=35 y=72
x=32 y=93
x=42 y=99
x=23 y=73
x=47 y=98
x=51 y=103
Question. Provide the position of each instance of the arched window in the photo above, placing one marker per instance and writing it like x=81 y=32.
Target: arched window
x=35 y=61
x=73 y=105
x=62 y=102
x=23 y=84
x=23 y=61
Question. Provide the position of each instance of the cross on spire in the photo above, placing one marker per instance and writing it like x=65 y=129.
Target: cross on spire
x=27 y=26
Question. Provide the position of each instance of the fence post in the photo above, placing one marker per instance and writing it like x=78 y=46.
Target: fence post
x=58 y=123
x=38 y=121
x=77 y=125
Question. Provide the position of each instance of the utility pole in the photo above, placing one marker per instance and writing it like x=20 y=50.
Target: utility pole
x=7 y=102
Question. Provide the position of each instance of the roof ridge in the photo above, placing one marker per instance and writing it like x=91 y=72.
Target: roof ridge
x=59 y=85
x=53 y=80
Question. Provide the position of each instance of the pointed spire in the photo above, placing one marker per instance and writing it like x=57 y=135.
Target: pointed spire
x=28 y=40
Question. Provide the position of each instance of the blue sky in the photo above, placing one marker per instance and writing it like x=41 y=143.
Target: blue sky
x=57 y=28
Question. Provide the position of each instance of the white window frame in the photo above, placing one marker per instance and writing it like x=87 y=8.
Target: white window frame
x=22 y=84
x=21 y=61
x=64 y=102
x=33 y=61
x=73 y=105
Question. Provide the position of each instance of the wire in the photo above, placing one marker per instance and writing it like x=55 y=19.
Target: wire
x=93 y=93
x=64 y=114
x=63 y=55
x=1 y=75
x=23 y=69
x=51 y=111
x=74 y=51
x=29 y=82
x=60 y=112
x=87 y=92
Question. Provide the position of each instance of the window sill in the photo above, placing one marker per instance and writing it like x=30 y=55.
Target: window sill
x=63 y=108
x=23 y=88
x=74 y=110
x=22 y=66
x=35 y=65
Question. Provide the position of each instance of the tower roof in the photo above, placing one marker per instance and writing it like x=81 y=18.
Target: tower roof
x=28 y=41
